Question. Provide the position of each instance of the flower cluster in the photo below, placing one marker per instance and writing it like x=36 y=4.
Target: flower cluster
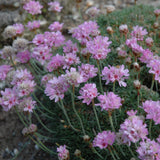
x=33 y=25
x=149 y=150
x=54 y=6
x=152 y=108
x=4 y=69
x=84 y=32
x=109 y=102
x=63 y=153
x=104 y=139
x=133 y=129
x=56 y=26
x=88 y=93
x=33 y=7
x=99 y=47
x=113 y=74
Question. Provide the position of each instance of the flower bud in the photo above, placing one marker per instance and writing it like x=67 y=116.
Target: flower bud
x=32 y=128
x=122 y=100
x=86 y=138
x=89 y=3
x=123 y=29
x=137 y=84
x=149 y=42
x=109 y=30
x=136 y=66
x=156 y=25
x=157 y=12
x=128 y=60
x=77 y=153
x=25 y=131
x=110 y=8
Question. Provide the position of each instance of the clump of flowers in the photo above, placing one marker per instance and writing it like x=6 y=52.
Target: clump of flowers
x=113 y=74
x=109 y=102
x=23 y=56
x=55 y=6
x=33 y=25
x=33 y=7
x=63 y=153
x=19 y=28
x=87 y=71
x=104 y=139
x=56 y=26
x=152 y=108
x=88 y=93
x=149 y=149
x=4 y=69
x=56 y=87
x=85 y=31
x=99 y=47
x=139 y=33
x=133 y=129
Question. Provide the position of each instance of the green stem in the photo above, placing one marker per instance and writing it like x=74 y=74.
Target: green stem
x=131 y=152
x=138 y=98
x=49 y=130
x=21 y=118
x=99 y=74
x=45 y=108
x=12 y=62
x=150 y=126
x=111 y=122
x=114 y=86
x=79 y=118
x=94 y=109
x=94 y=150
x=112 y=153
x=66 y=115
x=152 y=83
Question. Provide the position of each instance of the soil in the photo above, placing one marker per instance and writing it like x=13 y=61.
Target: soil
x=11 y=139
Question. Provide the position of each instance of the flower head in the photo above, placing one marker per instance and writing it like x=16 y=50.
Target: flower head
x=33 y=7
x=56 y=26
x=139 y=33
x=99 y=47
x=88 y=93
x=55 y=6
x=33 y=25
x=109 y=102
x=19 y=28
x=113 y=74
x=104 y=139
x=4 y=69
x=63 y=153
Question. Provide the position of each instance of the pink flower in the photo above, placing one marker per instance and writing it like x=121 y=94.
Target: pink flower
x=113 y=74
x=70 y=47
x=104 y=139
x=88 y=93
x=122 y=53
x=33 y=25
x=149 y=41
x=133 y=129
x=55 y=63
x=154 y=65
x=87 y=71
x=19 y=28
x=63 y=153
x=157 y=12
x=46 y=78
x=136 y=49
x=23 y=56
x=109 y=102
x=9 y=99
x=147 y=56
x=56 y=26
x=21 y=75
x=56 y=87
x=33 y=7
x=25 y=88
x=73 y=77
x=4 y=69
x=131 y=41
x=85 y=31
x=139 y=33
x=152 y=108
x=38 y=39
x=27 y=104
x=93 y=11
x=99 y=47
x=42 y=53
x=54 y=6
x=70 y=59
x=149 y=150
